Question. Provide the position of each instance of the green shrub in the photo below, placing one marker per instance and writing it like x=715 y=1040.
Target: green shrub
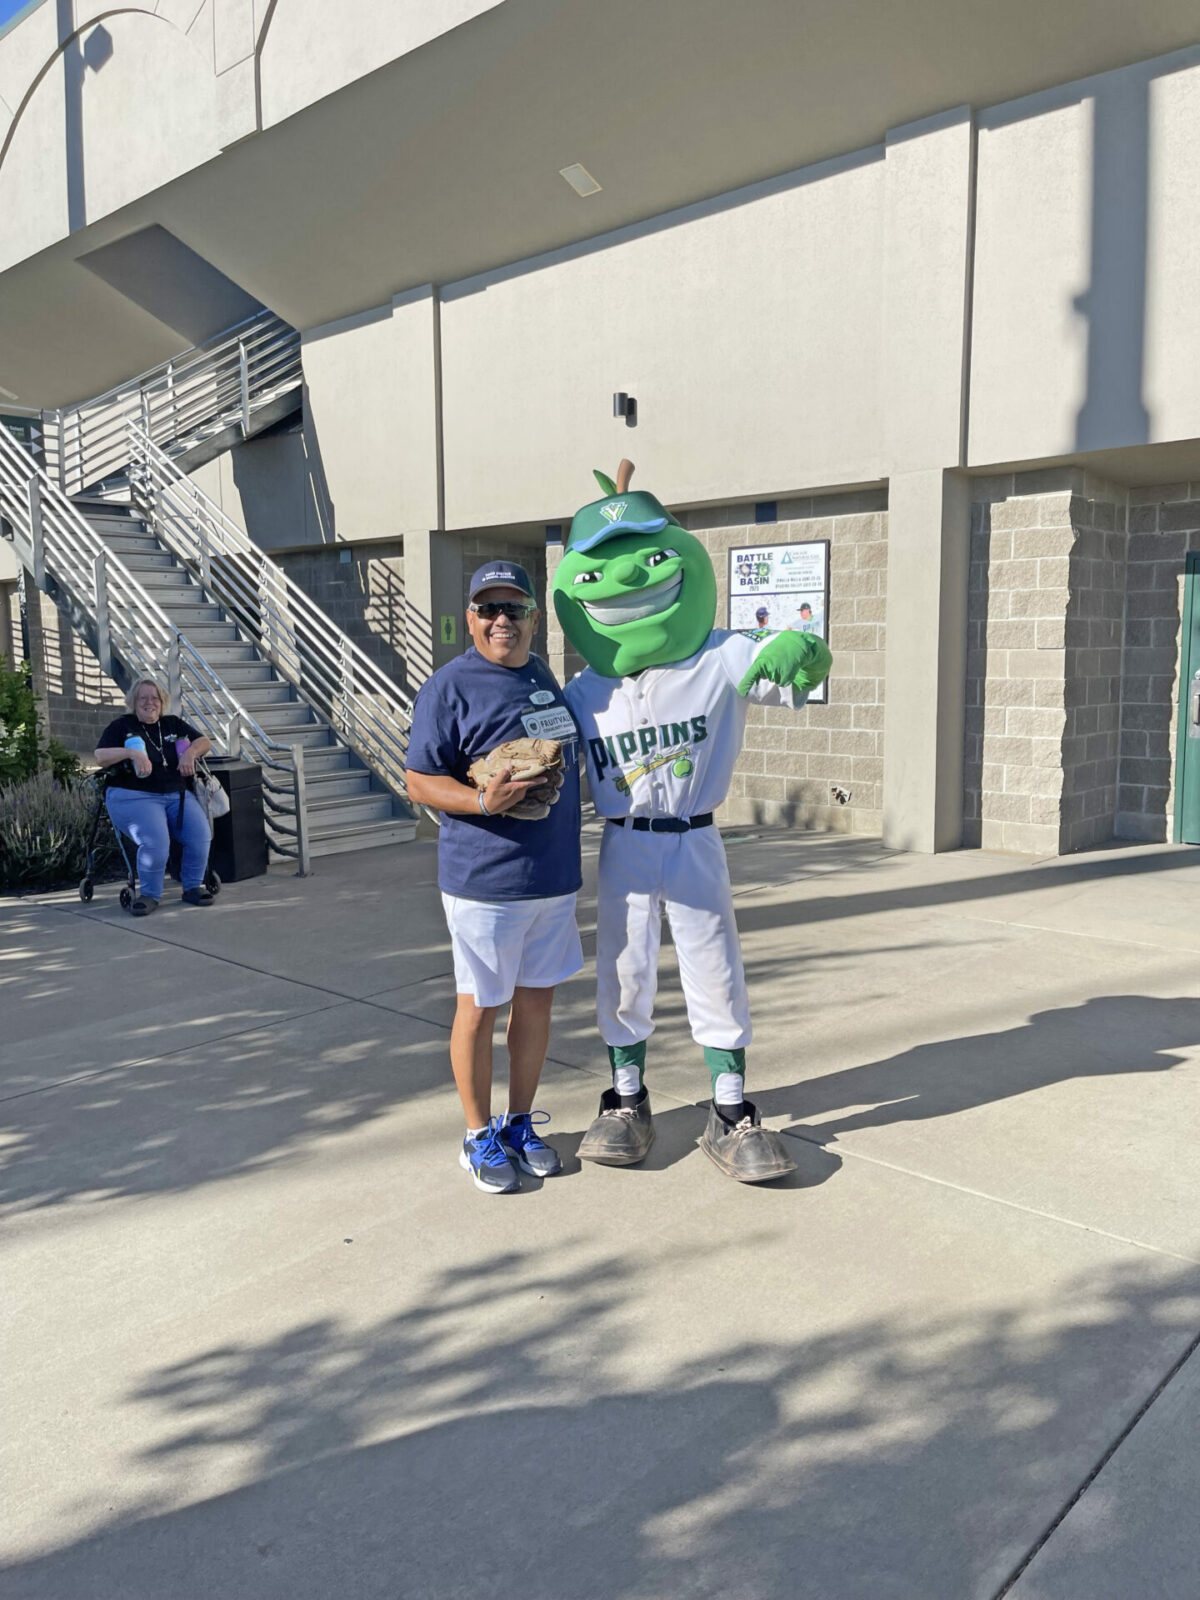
x=65 y=766
x=44 y=828
x=20 y=753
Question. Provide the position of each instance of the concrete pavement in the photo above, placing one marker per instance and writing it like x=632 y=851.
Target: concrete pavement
x=263 y=1339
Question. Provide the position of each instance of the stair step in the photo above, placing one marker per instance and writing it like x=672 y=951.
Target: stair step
x=288 y=714
x=241 y=672
x=213 y=634
x=234 y=656
x=150 y=561
x=336 y=785
x=131 y=544
x=322 y=759
x=187 y=613
x=350 y=811
x=111 y=525
x=164 y=578
x=314 y=735
x=367 y=837
x=263 y=692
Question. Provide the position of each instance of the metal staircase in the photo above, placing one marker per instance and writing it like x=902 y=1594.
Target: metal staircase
x=154 y=576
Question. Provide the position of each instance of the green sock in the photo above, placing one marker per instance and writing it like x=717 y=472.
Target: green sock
x=727 y=1069
x=628 y=1063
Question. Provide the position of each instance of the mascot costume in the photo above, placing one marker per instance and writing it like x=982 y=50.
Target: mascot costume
x=661 y=708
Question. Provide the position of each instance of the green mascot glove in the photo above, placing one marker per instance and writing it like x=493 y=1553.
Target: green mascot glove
x=792 y=660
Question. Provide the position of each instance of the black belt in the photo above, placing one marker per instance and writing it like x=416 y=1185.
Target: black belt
x=664 y=824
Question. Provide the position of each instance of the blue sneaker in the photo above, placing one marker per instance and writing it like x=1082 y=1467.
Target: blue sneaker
x=533 y=1155
x=486 y=1159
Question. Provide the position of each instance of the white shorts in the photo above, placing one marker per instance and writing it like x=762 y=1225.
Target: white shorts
x=502 y=945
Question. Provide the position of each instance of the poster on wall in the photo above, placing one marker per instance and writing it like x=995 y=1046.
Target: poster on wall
x=778 y=586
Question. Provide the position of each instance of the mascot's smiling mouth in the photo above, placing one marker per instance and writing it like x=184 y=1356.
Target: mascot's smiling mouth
x=635 y=605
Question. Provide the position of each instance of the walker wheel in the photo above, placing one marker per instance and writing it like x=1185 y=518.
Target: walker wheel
x=86 y=890
x=212 y=883
x=126 y=898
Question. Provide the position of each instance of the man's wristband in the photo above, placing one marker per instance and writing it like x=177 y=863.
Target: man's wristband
x=482 y=807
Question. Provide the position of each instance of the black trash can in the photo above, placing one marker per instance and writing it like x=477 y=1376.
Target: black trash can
x=239 y=847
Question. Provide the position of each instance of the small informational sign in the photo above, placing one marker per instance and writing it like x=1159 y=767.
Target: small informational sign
x=450 y=629
x=773 y=587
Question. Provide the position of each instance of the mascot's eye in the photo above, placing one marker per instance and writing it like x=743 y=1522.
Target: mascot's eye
x=588 y=577
x=659 y=556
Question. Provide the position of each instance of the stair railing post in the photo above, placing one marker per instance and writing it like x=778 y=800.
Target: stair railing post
x=303 y=867
x=244 y=382
x=36 y=532
x=201 y=525
x=175 y=674
x=103 y=631
x=233 y=736
x=79 y=453
x=62 y=451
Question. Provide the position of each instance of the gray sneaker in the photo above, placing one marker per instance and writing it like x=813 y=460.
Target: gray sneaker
x=620 y=1136
x=487 y=1161
x=745 y=1150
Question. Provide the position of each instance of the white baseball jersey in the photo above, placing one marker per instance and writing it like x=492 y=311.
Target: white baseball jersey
x=664 y=744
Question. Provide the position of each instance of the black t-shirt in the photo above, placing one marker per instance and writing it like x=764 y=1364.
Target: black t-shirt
x=160 y=740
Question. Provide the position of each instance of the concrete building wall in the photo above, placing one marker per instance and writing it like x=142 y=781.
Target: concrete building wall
x=119 y=142
x=1084 y=308
x=310 y=48
x=749 y=334
x=370 y=420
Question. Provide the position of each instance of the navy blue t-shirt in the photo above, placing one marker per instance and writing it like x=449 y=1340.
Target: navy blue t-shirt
x=463 y=711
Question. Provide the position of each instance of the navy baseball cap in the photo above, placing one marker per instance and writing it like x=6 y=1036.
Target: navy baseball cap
x=493 y=574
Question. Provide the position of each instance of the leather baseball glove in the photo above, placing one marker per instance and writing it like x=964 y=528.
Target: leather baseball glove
x=528 y=758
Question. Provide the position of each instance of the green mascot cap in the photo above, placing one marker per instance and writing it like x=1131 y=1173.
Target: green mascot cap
x=634 y=589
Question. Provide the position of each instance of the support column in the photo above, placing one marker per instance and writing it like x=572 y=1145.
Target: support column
x=929 y=527
x=928 y=219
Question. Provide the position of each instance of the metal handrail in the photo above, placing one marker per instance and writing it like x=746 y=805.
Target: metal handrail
x=363 y=706
x=133 y=635
x=179 y=403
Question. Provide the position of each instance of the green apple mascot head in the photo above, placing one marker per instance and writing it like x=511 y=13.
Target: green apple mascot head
x=633 y=589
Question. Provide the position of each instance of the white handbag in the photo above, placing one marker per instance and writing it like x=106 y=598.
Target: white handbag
x=214 y=802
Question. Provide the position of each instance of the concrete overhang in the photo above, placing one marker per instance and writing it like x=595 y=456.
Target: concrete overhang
x=445 y=163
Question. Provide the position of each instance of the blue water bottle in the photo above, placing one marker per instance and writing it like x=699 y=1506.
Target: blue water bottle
x=136 y=742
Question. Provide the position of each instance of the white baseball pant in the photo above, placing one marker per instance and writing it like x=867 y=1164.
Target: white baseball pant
x=643 y=875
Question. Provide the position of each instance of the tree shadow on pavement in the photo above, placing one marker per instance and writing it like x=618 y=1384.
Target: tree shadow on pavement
x=501 y=1437
x=1110 y=1035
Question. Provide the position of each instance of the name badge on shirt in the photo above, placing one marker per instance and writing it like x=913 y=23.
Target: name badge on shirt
x=554 y=723
x=542 y=697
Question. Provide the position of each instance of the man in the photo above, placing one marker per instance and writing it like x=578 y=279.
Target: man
x=508 y=886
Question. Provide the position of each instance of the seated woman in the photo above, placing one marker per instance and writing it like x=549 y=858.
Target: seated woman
x=149 y=793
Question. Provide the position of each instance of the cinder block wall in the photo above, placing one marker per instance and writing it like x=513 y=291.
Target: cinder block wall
x=792 y=759
x=1075 y=609
x=1164 y=526
x=76 y=701
x=1043 y=694
x=363 y=594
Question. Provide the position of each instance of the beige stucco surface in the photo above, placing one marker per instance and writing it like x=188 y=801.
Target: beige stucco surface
x=1085 y=258
x=748 y=333
x=370 y=417
x=312 y=48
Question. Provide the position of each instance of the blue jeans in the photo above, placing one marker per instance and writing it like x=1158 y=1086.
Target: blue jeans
x=152 y=821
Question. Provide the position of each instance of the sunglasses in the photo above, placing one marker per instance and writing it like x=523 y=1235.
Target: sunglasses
x=514 y=610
